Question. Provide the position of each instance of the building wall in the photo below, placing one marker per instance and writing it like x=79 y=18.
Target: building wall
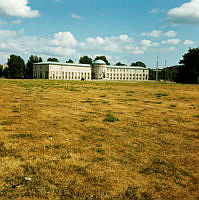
x=78 y=72
x=124 y=73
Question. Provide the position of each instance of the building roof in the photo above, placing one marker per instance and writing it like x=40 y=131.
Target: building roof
x=99 y=62
x=88 y=65
x=62 y=64
x=125 y=67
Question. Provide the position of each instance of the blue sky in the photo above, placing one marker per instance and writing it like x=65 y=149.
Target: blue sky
x=123 y=30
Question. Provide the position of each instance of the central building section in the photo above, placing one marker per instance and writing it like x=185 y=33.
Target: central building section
x=98 y=69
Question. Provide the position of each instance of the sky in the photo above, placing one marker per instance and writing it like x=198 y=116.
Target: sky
x=123 y=30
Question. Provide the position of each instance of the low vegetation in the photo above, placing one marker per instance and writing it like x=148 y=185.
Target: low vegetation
x=98 y=140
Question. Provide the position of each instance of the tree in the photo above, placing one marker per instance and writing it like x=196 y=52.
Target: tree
x=16 y=67
x=85 y=60
x=53 y=60
x=139 y=64
x=120 y=64
x=1 y=70
x=189 y=68
x=29 y=65
x=102 y=58
x=5 y=72
x=69 y=61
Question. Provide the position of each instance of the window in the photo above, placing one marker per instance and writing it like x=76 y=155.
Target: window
x=65 y=75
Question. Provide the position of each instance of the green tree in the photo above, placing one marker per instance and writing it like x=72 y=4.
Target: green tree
x=120 y=64
x=29 y=65
x=85 y=60
x=189 y=68
x=16 y=67
x=139 y=64
x=53 y=60
x=69 y=61
x=1 y=70
x=102 y=58
x=5 y=72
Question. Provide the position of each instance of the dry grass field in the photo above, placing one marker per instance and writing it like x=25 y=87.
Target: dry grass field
x=98 y=140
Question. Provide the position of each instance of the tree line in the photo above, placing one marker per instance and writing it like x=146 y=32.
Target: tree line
x=17 y=68
x=186 y=72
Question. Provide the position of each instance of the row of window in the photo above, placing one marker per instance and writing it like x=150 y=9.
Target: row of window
x=128 y=78
x=125 y=75
x=70 y=75
x=125 y=70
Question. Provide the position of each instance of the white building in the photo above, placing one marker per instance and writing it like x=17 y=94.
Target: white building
x=98 y=70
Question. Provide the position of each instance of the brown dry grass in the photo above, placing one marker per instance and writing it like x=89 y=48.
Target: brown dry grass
x=55 y=133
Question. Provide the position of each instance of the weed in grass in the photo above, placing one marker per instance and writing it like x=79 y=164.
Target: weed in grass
x=83 y=120
x=110 y=118
x=100 y=150
x=98 y=159
x=161 y=95
x=87 y=101
x=16 y=110
x=131 y=99
x=73 y=89
x=6 y=123
x=103 y=95
x=105 y=102
x=196 y=116
x=172 y=106
x=24 y=136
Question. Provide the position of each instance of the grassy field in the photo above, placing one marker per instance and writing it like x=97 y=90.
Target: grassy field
x=98 y=140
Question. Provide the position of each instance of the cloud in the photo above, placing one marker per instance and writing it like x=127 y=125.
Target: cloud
x=187 y=13
x=17 y=43
x=64 y=44
x=171 y=41
x=75 y=16
x=156 y=10
x=17 y=8
x=160 y=33
x=188 y=42
x=170 y=34
x=109 y=44
x=154 y=33
x=64 y=39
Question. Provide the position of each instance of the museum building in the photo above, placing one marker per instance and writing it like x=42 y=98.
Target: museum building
x=98 y=70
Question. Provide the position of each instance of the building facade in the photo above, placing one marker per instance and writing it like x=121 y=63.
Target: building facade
x=98 y=70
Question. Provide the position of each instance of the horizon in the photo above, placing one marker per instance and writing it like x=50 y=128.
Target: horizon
x=123 y=31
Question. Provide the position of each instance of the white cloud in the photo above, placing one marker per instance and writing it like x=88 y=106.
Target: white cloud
x=64 y=39
x=171 y=41
x=156 y=10
x=75 y=16
x=160 y=33
x=17 y=8
x=188 y=42
x=170 y=33
x=154 y=33
x=110 y=44
x=187 y=13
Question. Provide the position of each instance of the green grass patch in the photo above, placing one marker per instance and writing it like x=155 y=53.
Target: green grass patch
x=110 y=118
